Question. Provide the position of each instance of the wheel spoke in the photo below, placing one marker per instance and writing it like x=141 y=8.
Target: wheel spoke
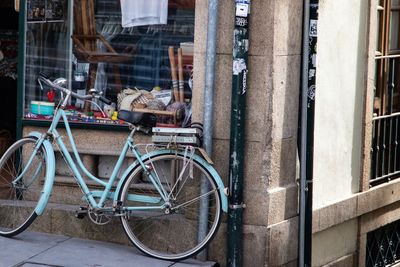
x=193 y=200
x=19 y=199
x=171 y=235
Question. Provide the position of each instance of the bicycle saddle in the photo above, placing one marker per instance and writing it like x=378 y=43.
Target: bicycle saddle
x=144 y=119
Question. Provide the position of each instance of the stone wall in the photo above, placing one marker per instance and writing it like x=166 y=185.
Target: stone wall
x=270 y=188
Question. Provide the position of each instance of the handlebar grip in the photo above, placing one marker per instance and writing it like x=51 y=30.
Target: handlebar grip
x=105 y=100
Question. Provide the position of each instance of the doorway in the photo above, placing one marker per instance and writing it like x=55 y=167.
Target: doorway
x=8 y=71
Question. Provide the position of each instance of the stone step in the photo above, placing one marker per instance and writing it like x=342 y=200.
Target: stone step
x=35 y=249
x=59 y=219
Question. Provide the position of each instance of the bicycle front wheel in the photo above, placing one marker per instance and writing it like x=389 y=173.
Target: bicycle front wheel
x=22 y=172
x=183 y=224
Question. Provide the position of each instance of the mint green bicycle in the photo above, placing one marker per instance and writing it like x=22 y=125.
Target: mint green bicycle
x=169 y=201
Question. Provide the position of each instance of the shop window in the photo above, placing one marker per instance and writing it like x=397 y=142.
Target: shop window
x=386 y=121
x=126 y=49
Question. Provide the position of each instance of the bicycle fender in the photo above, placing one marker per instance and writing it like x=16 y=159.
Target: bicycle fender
x=50 y=173
x=197 y=158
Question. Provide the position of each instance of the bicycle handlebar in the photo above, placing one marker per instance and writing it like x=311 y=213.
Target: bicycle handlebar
x=94 y=94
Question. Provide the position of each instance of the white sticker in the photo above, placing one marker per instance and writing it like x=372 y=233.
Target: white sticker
x=314 y=60
x=311 y=73
x=313 y=28
x=242 y=10
x=238 y=66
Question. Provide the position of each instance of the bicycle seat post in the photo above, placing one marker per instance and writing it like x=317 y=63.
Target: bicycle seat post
x=133 y=129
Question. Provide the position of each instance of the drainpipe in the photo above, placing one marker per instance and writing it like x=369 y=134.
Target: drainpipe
x=237 y=138
x=208 y=109
x=310 y=19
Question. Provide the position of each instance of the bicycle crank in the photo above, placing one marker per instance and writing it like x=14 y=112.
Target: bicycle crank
x=99 y=218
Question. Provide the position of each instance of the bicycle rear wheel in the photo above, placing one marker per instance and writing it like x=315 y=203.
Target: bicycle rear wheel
x=22 y=172
x=171 y=232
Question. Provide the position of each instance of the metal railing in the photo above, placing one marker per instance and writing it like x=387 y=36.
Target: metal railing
x=385 y=149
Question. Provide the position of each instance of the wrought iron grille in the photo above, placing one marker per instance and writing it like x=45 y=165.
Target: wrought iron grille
x=385 y=150
x=383 y=246
x=385 y=164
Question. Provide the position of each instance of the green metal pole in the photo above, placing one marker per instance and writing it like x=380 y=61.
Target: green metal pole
x=21 y=67
x=237 y=139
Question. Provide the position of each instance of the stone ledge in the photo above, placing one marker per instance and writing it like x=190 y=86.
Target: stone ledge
x=282 y=243
x=356 y=205
x=94 y=142
x=345 y=261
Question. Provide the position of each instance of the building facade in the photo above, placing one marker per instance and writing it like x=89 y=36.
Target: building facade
x=355 y=193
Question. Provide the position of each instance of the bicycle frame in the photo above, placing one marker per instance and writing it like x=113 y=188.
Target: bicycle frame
x=106 y=193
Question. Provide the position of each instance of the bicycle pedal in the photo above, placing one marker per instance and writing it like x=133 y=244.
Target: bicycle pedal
x=117 y=206
x=81 y=213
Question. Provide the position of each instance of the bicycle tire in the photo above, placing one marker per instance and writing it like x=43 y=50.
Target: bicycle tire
x=18 y=200
x=173 y=235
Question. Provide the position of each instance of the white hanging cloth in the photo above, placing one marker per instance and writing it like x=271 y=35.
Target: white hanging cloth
x=143 y=12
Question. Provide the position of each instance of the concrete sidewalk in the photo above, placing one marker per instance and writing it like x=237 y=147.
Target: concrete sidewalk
x=31 y=249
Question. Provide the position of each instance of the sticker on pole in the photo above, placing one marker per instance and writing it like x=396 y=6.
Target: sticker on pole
x=243 y=2
x=242 y=10
x=313 y=28
x=239 y=65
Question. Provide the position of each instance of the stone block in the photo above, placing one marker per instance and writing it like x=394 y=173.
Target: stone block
x=218 y=247
x=63 y=169
x=380 y=217
x=107 y=164
x=201 y=22
x=95 y=142
x=222 y=97
x=259 y=101
x=342 y=242
x=225 y=26
x=282 y=204
x=66 y=191
x=61 y=166
x=254 y=176
x=345 y=261
x=260 y=81
x=378 y=197
x=334 y=214
x=282 y=243
x=288 y=25
x=282 y=163
x=254 y=244
x=63 y=222
x=285 y=96
x=257 y=207
x=257 y=98
x=220 y=157
x=362 y=244
x=226 y=21
x=261 y=28
x=291 y=264
x=198 y=86
x=42 y=223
